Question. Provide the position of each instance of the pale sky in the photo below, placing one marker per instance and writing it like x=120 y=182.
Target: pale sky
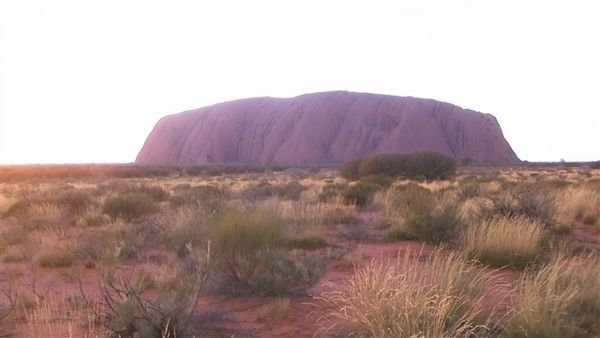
x=85 y=81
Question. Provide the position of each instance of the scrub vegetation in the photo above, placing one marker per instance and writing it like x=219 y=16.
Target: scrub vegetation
x=386 y=246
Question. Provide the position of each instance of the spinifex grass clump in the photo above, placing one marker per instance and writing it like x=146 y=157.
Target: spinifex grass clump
x=437 y=298
x=559 y=300
x=505 y=241
x=582 y=203
x=240 y=234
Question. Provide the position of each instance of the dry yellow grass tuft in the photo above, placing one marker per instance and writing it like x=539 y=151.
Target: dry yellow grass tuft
x=560 y=300
x=6 y=202
x=576 y=204
x=60 y=317
x=504 y=241
x=438 y=298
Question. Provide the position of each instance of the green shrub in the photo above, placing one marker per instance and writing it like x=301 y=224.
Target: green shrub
x=249 y=247
x=349 y=170
x=129 y=206
x=273 y=273
x=430 y=217
x=434 y=223
x=590 y=219
x=424 y=164
x=359 y=194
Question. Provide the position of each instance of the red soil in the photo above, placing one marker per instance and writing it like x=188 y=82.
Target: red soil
x=237 y=316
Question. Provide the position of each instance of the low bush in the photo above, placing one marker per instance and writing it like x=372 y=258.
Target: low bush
x=349 y=170
x=264 y=190
x=76 y=201
x=109 y=244
x=206 y=196
x=157 y=193
x=129 y=206
x=432 y=218
x=514 y=241
x=359 y=194
x=521 y=202
x=413 y=212
x=250 y=249
x=436 y=224
x=418 y=165
x=127 y=311
x=184 y=227
x=274 y=273
x=331 y=191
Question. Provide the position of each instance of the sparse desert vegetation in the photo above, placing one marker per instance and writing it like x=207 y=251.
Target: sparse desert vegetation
x=368 y=250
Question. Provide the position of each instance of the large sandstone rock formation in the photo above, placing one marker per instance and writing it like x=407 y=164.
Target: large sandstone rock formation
x=321 y=128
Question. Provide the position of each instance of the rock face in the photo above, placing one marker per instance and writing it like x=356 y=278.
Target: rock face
x=322 y=128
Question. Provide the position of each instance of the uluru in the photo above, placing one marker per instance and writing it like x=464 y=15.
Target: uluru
x=321 y=128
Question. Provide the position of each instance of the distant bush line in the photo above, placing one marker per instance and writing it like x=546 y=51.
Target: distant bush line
x=19 y=173
x=427 y=165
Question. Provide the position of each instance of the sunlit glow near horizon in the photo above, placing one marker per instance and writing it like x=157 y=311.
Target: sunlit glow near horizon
x=85 y=81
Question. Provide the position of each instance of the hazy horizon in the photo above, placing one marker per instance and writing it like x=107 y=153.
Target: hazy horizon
x=85 y=82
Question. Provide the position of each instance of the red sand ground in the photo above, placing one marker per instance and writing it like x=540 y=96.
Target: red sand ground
x=225 y=316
